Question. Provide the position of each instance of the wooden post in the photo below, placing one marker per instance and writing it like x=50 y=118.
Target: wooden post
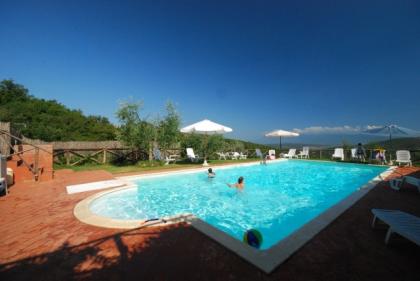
x=67 y=156
x=104 y=157
x=36 y=164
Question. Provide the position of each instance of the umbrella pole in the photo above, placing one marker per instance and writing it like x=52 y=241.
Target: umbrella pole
x=280 y=145
x=205 y=151
x=390 y=147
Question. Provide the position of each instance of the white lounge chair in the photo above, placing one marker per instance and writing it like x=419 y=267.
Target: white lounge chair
x=222 y=155
x=291 y=153
x=242 y=155
x=191 y=155
x=353 y=154
x=338 y=153
x=271 y=154
x=168 y=159
x=399 y=222
x=259 y=153
x=403 y=157
x=397 y=184
x=304 y=153
x=235 y=155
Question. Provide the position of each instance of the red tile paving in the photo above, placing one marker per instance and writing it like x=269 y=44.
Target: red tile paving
x=41 y=240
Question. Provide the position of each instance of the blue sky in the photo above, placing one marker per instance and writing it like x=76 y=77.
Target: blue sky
x=252 y=65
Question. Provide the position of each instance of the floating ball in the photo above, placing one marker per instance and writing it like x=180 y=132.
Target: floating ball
x=253 y=238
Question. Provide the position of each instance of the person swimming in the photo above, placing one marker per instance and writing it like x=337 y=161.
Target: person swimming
x=210 y=173
x=239 y=185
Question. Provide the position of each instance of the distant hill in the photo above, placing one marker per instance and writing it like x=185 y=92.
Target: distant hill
x=49 y=120
x=297 y=145
x=399 y=143
x=251 y=145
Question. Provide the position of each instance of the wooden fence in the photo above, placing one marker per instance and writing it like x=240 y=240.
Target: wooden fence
x=79 y=152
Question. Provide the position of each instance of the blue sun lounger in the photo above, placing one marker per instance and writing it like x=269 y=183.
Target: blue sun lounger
x=399 y=222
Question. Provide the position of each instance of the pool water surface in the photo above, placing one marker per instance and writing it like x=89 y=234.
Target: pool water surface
x=278 y=198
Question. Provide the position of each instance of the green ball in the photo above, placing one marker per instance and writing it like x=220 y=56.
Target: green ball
x=253 y=238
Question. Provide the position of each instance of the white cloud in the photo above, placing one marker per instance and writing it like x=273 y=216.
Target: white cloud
x=318 y=130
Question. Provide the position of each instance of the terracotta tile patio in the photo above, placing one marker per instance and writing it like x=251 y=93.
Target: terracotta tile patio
x=41 y=240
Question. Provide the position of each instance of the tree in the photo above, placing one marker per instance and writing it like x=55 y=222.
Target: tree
x=49 y=120
x=134 y=131
x=168 y=127
x=193 y=140
x=215 y=144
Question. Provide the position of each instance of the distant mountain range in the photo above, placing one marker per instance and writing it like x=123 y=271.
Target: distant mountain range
x=297 y=145
x=398 y=143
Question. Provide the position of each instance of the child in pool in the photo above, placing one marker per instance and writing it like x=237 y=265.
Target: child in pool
x=210 y=173
x=239 y=185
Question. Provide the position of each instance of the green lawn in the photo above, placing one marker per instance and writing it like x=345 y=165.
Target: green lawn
x=146 y=166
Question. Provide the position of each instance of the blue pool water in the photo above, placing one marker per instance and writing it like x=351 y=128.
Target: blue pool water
x=277 y=199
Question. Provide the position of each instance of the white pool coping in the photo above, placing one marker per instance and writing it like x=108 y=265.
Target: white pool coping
x=71 y=189
x=266 y=260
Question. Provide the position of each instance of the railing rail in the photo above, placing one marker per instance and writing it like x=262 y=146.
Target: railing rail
x=33 y=168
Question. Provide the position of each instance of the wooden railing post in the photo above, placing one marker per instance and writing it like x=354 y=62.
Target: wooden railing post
x=36 y=164
x=104 y=157
x=67 y=156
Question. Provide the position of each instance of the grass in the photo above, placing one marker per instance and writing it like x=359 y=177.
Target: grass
x=146 y=166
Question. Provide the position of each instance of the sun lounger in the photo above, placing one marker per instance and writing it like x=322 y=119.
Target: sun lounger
x=168 y=159
x=397 y=184
x=304 y=153
x=338 y=153
x=403 y=157
x=399 y=222
x=353 y=154
x=259 y=153
x=291 y=153
x=242 y=155
x=235 y=155
x=191 y=155
x=222 y=155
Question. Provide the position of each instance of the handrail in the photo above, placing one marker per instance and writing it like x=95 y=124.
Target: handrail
x=23 y=142
x=33 y=168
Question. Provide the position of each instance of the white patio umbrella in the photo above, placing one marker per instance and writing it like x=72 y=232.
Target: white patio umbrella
x=281 y=133
x=391 y=130
x=206 y=127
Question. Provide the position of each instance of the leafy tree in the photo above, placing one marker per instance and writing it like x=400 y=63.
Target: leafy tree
x=168 y=128
x=49 y=120
x=193 y=140
x=135 y=131
x=215 y=143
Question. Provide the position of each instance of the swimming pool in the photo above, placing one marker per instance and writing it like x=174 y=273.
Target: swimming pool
x=278 y=198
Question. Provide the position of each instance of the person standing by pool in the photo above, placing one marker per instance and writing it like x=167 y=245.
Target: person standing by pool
x=210 y=173
x=360 y=152
x=239 y=185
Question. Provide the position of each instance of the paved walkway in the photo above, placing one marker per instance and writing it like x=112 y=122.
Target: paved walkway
x=41 y=240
